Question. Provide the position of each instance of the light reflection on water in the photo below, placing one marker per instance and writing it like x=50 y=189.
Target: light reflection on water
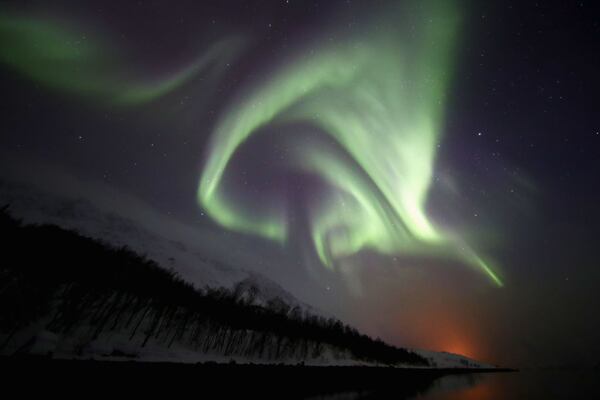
x=529 y=384
x=526 y=385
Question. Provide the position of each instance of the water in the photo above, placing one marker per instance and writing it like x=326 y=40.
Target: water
x=526 y=385
x=58 y=377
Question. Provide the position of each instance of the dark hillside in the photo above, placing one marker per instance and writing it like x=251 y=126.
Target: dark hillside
x=81 y=291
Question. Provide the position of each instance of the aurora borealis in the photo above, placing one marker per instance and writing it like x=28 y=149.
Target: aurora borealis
x=53 y=54
x=380 y=96
x=425 y=170
x=381 y=99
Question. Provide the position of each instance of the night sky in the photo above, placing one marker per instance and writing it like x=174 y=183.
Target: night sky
x=426 y=171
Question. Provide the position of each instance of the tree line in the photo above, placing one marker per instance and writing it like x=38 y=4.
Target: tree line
x=84 y=288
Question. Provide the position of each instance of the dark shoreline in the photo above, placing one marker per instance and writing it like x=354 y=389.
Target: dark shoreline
x=27 y=360
x=248 y=380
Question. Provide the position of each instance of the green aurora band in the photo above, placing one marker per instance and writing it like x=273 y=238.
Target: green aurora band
x=379 y=96
x=381 y=99
x=60 y=57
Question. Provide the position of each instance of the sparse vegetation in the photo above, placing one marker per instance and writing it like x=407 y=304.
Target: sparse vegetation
x=70 y=283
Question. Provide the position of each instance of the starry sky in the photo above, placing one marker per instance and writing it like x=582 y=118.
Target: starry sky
x=426 y=171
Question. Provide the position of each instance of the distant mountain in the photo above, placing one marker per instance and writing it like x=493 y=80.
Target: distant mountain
x=167 y=341
x=442 y=359
x=80 y=215
x=65 y=295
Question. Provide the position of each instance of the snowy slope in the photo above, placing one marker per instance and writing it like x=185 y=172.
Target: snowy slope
x=441 y=359
x=33 y=206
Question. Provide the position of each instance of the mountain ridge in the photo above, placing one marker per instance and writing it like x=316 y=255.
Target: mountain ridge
x=252 y=287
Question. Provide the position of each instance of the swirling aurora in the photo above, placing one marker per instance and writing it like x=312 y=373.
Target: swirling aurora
x=381 y=98
x=392 y=163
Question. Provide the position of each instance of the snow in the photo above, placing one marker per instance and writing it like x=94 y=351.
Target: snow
x=448 y=360
x=189 y=261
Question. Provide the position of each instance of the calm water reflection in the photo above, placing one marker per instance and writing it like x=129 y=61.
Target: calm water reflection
x=526 y=385
x=297 y=382
x=533 y=384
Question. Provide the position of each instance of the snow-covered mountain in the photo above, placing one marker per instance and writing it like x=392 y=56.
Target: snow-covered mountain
x=36 y=207
x=442 y=359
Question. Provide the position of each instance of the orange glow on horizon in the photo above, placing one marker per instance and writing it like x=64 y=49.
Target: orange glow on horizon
x=427 y=311
x=442 y=327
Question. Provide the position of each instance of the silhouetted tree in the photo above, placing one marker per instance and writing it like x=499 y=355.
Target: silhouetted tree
x=76 y=281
